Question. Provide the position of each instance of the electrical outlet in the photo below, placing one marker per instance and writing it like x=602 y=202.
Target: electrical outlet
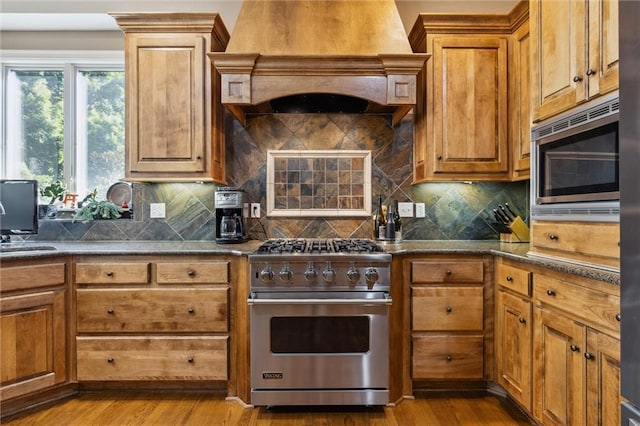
x=157 y=211
x=255 y=210
x=420 y=210
x=405 y=209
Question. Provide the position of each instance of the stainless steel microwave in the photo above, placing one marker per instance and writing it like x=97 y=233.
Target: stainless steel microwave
x=575 y=165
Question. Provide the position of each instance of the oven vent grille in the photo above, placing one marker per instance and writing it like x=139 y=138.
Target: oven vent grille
x=610 y=107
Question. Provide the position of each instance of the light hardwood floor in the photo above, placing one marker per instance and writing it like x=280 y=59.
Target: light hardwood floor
x=164 y=408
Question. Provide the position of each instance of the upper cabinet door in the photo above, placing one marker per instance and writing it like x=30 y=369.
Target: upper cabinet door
x=558 y=46
x=166 y=103
x=574 y=47
x=604 y=56
x=470 y=104
x=174 y=118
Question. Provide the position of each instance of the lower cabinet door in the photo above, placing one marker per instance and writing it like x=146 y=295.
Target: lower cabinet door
x=602 y=358
x=558 y=369
x=152 y=358
x=32 y=333
x=513 y=346
x=447 y=357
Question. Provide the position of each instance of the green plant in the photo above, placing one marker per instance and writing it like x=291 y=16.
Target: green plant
x=55 y=190
x=93 y=210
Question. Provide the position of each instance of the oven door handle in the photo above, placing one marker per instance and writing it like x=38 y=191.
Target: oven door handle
x=253 y=300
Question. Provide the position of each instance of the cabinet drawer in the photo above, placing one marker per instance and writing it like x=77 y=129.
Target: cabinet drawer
x=592 y=305
x=112 y=273
x=454 y=271
x=152 y=358
x=32 y=276
x=591 y=242
x=447 y=308
x=152 y=310
x=192 y=273
x=513 y=278
x=447 y=357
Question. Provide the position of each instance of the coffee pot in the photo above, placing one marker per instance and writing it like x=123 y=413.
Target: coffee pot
x=229 y=212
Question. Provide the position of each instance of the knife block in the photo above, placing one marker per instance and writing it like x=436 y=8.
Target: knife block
x=519 y=232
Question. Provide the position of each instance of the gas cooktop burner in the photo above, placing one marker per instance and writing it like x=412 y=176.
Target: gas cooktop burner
x=320 y=246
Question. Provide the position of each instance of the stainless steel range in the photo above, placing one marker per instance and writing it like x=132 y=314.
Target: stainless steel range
x=320 y=322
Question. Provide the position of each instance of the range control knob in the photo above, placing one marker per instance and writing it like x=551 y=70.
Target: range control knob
x=371 y=276
x=285 y=274
x=353 y=275
x=266 y=275
x=311 y=274
x=329 y=274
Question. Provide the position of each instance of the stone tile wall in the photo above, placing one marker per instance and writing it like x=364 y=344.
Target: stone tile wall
x=453 y=210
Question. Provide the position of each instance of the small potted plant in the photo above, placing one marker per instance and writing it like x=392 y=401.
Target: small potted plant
x=92 y=209
x=54 y=191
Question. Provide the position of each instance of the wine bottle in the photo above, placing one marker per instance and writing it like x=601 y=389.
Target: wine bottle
x=379 y=221
x=391 y=223
x=398 y=236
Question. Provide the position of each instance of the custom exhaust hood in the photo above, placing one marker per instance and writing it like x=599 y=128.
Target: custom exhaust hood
x=306 y=55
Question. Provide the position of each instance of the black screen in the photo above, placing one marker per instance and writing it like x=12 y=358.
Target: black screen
x=19 y=211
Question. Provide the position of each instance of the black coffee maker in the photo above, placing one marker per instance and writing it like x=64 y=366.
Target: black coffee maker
x=230 y=218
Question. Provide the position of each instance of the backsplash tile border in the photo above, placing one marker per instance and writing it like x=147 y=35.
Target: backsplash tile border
x=318 y=183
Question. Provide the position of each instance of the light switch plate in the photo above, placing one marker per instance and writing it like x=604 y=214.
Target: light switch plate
x=405 y=209
x=420 y=210
x=157 y=210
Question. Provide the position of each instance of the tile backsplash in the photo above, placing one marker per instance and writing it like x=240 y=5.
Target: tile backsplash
x=453 y=210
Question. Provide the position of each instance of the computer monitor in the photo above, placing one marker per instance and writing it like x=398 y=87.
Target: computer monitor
x=18 y=207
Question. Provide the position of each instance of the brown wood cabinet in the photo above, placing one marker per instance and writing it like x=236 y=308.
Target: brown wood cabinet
x=447 y=318
x=153 y=319
x=514 y=331
x=174 y=121
x=577 y=354
x=32 y=327
x=463 y=125
x=574 y=48
x=557 y=344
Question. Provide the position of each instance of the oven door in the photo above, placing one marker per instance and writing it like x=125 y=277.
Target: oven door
x=319 y=340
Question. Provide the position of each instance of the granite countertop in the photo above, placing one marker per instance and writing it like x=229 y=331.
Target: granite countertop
x=519 y=252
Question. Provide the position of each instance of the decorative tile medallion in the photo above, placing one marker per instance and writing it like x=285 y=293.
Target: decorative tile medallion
x=318 y=183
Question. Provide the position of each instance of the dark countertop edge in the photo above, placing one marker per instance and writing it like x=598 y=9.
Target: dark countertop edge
x=413 y=247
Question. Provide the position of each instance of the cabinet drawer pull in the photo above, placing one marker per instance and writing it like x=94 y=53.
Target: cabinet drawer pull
x=439 y=157
x=574 y=348
x=551 y=293
x=553 y=237
x=577 y=79
x=110 y=360
x=448 y=272
x=191 y=273
x=109 y=274
x=509 y=278
x=110 y=311
x=618 y=317
x=191 y=360
x=191 y=311
x=449 y=309
x=449 y=358
x=522 y=320
x=591 y=71
x=588 y=355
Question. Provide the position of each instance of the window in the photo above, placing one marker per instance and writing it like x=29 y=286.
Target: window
x=64 y=119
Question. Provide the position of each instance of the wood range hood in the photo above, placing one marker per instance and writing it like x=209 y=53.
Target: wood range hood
x=345 y=49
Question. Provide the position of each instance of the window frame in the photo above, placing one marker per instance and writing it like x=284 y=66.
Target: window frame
x=70 y=63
